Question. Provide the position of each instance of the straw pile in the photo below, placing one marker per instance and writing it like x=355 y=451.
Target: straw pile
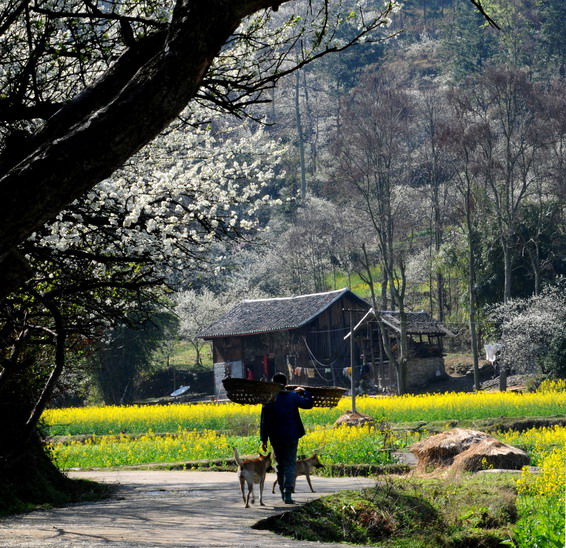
x=490 y=453
x=466 y=450
x=355 y=419
x=439 y=451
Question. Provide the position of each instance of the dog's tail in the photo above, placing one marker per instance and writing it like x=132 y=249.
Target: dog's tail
x=238 y=459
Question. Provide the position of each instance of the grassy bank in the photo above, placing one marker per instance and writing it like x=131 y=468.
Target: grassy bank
x=408 y=513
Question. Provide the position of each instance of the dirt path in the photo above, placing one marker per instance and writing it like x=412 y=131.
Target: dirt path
x=165 y=508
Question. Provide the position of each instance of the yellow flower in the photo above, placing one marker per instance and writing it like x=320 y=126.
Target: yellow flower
x=550 y=479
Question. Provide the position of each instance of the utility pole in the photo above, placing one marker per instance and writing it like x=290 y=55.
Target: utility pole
x=352 y=368
x=352 y=376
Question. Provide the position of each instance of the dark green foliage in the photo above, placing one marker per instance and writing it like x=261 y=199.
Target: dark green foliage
x=553 y=363
x=540 y=238
x=118 y=365
x=468 y=46
x=540 y=245
x=553 y=31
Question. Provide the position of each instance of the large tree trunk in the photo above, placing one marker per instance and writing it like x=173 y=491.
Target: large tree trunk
x=34 y=479
x=403 y=336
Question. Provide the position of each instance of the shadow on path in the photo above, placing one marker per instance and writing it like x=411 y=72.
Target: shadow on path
x=165 y=508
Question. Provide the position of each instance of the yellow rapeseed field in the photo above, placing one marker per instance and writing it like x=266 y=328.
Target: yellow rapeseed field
x=230 y=416
x=182 y=432
x=143 y=418
x=538 y=441
x=120 y=450
x=336 y=445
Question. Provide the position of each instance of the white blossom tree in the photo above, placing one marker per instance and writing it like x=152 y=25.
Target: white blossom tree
x=106 y=260
x=88 y=85
x=197 y=310
x=530 y=328
x=165 y=207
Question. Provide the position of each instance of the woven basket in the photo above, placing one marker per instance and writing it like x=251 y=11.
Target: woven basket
x=250 y=392
x=323 y=396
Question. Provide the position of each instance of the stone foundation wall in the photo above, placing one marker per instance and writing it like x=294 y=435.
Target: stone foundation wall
x=237 y=371
x=422 y=371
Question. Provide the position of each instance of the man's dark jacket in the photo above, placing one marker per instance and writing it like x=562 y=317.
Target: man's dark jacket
x=280 y=420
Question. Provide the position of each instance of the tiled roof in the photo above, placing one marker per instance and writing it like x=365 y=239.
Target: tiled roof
x=281 y=314
x=418 y=323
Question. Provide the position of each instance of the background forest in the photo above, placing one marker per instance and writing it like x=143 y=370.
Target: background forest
x=429 y=166
x=421 y=164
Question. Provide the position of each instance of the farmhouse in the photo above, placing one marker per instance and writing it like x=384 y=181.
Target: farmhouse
x=306 y=337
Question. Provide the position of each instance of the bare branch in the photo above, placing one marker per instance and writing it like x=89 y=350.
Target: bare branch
x=98 y=15
x=478 y=5
x=11 y=13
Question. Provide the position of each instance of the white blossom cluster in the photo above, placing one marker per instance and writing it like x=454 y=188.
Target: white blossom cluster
x=69 y=53
x=197 y=310
x=527 y=327
x=193 y=186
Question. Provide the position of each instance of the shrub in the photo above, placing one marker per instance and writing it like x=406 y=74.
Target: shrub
x=552 y=385
x=532 y=331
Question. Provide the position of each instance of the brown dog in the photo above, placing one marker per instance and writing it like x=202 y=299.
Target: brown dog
x=304 y=467
x=252 y=471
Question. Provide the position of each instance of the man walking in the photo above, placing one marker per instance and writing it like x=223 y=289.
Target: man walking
x=281 y=424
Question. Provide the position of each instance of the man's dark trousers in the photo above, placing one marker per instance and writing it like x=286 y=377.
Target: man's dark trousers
x=286 y=457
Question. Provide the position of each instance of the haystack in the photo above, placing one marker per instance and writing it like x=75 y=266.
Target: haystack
x=355 y=419
x=490 y=453
x=440 y=450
